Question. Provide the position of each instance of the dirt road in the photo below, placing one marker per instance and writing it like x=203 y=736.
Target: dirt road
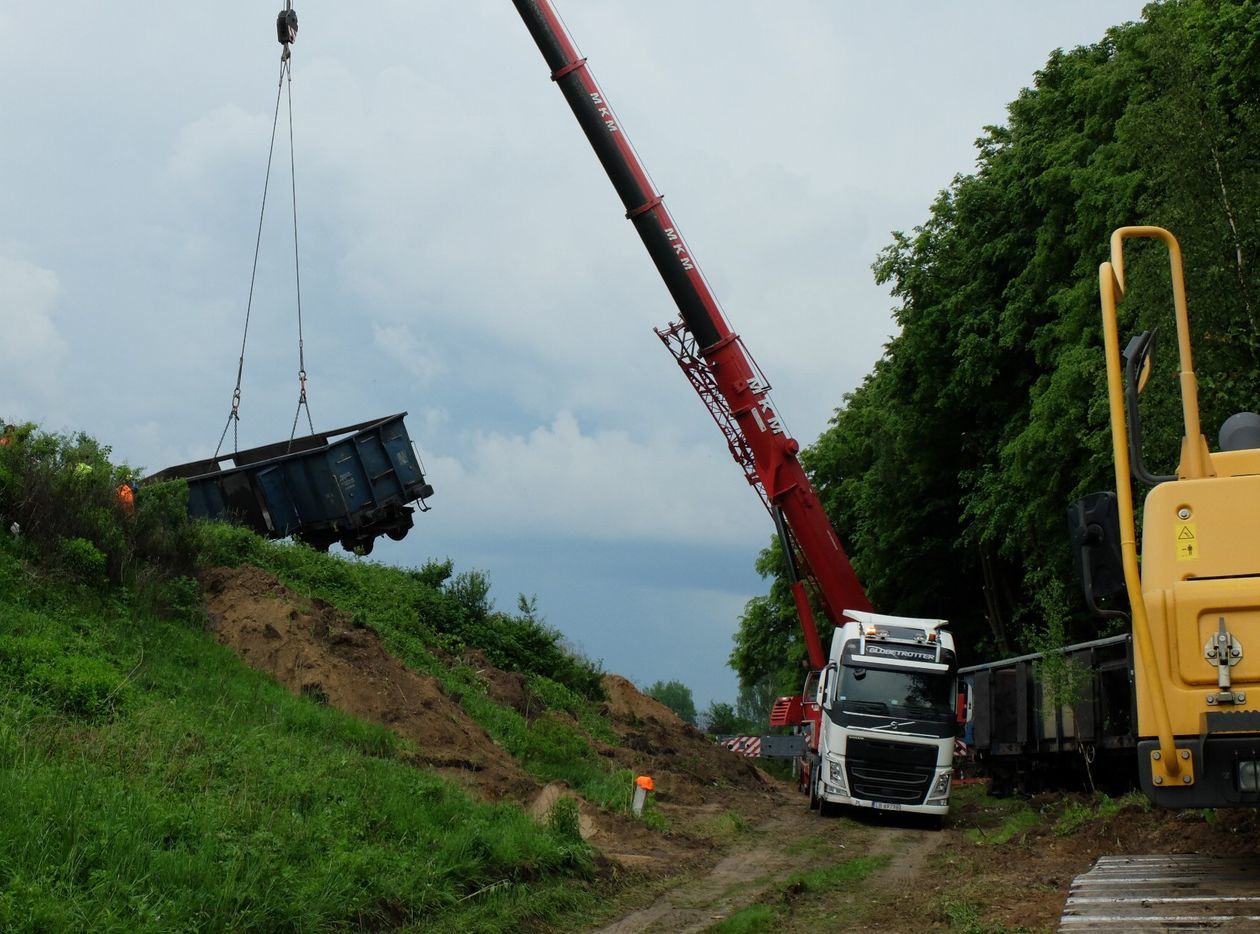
x=998 y=865
x=763 y=863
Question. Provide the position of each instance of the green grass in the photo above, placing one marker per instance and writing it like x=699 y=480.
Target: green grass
x=726 y=826
x=786 y=897
x=836 y=876
x=965 y=917
x=210 y=798
x=423 y=625
x=1015 y=825
x=1079 y=814
x=150 y=781
x=751 y=920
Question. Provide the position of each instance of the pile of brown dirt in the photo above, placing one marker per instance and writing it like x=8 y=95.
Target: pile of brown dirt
x=687 y=767
x=313 y=650
x=508 y=688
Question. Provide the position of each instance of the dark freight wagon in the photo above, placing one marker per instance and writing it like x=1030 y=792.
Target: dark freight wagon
x=1023 y=739
x=348 y=485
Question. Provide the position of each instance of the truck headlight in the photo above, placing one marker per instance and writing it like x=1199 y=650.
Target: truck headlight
x=835 y=777
x=940 y=788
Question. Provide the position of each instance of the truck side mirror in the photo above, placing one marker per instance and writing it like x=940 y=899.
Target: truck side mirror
x=1094 y=527
x=824 y=686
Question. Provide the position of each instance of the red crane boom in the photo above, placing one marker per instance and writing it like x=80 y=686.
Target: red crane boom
x=709 y=351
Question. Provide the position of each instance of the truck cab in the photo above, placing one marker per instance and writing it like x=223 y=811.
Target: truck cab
x=888 y=724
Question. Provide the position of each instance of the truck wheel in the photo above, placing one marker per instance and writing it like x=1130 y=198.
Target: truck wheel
x=828 y=808
x=814 y=799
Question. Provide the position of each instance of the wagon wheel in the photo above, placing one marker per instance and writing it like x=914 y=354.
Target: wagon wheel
x=362 y=546
x=320 y=542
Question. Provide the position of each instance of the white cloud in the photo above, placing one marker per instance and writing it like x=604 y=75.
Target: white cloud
x=560 y=482
x=417 y=357
x=227 y=136
x=32 y=349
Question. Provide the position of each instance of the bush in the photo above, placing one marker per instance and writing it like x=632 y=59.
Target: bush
x=563 y=820
x=522 y=642
x=62 y=491
x=82 y=559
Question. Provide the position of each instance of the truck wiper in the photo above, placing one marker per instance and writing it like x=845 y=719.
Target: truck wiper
x=867 y=706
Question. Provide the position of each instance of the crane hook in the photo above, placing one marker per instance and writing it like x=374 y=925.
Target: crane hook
x=287 y=27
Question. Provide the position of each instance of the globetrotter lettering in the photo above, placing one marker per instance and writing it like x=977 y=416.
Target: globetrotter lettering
x=609 y=120
x=914 y=653
x=680 y=248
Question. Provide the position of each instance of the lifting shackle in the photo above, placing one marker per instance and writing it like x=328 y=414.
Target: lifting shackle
x=287 y=25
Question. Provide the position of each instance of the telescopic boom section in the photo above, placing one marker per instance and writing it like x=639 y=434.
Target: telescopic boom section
x=735 y=374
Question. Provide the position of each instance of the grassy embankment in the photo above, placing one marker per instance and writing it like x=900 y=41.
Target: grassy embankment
x=151 y=781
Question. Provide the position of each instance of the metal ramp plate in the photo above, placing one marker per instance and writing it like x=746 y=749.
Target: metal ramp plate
x=1165 y=893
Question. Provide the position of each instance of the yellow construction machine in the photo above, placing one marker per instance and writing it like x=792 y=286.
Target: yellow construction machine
x=1193 y=586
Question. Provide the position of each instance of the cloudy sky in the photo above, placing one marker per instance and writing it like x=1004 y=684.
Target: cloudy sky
x=464 y=259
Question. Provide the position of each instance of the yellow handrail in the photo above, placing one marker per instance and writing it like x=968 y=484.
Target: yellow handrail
x=1111 y=290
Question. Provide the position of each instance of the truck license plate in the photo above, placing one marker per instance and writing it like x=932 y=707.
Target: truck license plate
x=885 y=806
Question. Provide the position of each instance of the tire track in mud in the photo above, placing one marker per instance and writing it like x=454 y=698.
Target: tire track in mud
x=749 y=872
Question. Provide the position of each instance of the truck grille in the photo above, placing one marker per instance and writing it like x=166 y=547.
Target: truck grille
x=898 y=773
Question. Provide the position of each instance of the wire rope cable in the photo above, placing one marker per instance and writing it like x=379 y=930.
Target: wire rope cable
x=234 y=416
x=297 y=276
x=286 y=25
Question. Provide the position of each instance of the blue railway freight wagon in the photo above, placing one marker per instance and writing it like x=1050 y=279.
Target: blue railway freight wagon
x=349 y=485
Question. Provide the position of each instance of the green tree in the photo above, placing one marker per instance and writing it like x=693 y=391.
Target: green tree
x=948 y=471
x=755 y=701
x=768 y=645
x=720 y=719
x=676 y=696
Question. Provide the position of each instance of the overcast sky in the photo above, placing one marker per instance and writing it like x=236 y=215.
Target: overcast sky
x=463 y=257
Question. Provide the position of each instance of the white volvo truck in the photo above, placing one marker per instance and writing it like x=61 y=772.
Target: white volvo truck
x=888 y=698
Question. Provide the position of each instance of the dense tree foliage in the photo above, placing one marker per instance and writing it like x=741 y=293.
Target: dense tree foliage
x=949 y=470
x=676 y=696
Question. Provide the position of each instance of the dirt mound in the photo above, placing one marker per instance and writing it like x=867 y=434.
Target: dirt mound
x=627 y=704
x=687 y=767
x=313 y=650
x=509 y=688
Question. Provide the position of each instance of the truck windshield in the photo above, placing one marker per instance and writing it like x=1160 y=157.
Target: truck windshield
x=922 y=695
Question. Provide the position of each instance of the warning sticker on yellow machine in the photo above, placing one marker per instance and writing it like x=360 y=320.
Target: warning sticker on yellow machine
x=1187 y=542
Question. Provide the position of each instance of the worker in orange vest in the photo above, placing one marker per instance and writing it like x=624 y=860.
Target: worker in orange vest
x=6 y=434
x=127 y=495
